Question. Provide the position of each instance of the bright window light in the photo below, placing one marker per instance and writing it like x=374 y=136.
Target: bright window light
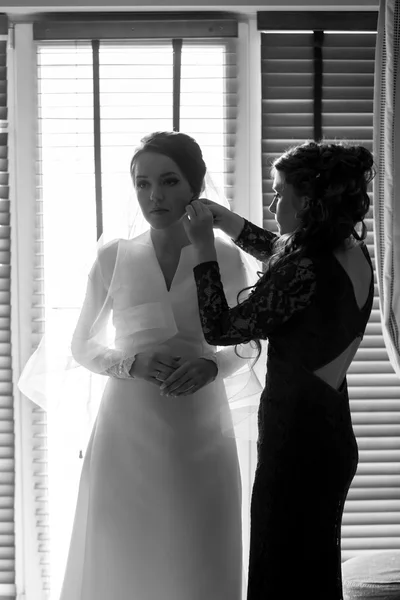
x=136 y=98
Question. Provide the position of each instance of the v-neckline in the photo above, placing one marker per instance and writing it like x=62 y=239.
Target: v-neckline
x=168 y=290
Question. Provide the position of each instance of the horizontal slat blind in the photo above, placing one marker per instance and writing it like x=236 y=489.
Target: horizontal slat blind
x=319 y=20
x=372 y=513
x=135 y=98
x=39 y=416
x=348 y=79
x=7 y=475
x=65 y=154
x=287 y=100
x=209 y=106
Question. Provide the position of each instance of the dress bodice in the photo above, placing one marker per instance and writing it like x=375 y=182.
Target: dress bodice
x=145 y=311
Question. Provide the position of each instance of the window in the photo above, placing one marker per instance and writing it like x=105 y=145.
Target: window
x=96 y=101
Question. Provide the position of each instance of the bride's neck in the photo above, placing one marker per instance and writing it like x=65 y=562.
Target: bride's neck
x=171 y=238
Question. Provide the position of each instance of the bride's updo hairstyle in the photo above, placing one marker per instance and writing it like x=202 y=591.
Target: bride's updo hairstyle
x=182 y=149
x=335 y=178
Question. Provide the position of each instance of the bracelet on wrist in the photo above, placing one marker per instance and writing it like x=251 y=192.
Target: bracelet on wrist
x=128 y=365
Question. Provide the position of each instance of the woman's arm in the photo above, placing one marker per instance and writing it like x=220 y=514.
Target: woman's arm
x=252 y=239
x=235 y=277
x=256 y=241
x=89 y=345
x=277 y=297
x=93 y=348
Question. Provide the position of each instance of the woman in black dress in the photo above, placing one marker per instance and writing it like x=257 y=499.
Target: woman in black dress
x=313 y=304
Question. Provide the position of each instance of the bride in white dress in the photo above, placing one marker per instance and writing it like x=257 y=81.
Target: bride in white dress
x=158 y=514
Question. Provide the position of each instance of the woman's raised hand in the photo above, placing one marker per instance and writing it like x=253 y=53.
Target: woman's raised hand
x=198 y=224
x=224 y=219
x=218 y=211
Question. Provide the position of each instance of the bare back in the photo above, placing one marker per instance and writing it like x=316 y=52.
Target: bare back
x=354 y=262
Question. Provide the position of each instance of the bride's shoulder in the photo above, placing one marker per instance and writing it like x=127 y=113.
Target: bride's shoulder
x=109 y=250
x=227 y=251
x=226 y=247
x=225 y=244
x=107 y=258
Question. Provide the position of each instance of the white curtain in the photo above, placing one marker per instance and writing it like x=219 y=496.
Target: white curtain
x=387 y=182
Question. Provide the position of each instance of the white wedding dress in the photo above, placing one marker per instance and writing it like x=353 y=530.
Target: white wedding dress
x=158 y=513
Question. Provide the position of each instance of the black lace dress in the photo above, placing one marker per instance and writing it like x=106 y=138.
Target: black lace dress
x=307 y=451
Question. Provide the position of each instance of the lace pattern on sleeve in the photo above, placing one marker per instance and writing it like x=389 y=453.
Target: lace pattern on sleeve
x=121 y=370
x=276 y=298
x=256 y=241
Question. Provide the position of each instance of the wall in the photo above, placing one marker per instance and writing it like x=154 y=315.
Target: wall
x=32 y=6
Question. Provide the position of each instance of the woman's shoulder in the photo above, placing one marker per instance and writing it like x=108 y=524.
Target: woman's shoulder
x=108 y=252
x=290 y=270
x=107 y=258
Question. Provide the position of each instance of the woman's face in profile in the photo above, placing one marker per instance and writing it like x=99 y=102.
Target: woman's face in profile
x=285 y=204
x=162 y=190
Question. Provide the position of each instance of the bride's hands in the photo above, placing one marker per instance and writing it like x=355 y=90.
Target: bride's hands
x=154 y=366
x=190 y=377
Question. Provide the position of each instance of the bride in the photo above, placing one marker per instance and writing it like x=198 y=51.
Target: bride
x=158 y=513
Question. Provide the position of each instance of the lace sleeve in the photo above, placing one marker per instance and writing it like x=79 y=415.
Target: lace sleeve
x=277 y=297
x=256 y=241
x=236 y=276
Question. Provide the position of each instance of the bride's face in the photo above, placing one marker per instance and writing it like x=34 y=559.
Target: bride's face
x=161 y=189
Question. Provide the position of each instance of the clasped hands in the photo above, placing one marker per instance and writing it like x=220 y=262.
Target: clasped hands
x=174 y=376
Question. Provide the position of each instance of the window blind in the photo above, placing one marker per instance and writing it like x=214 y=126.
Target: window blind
x=39 y=416
x=95 y=102
x=372 y=512
x=7 y=479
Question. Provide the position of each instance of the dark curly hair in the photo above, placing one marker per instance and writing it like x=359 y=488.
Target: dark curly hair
x=182 y=149
x=335 y=178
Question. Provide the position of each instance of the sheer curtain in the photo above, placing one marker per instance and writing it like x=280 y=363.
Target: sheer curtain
x=387 y=182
